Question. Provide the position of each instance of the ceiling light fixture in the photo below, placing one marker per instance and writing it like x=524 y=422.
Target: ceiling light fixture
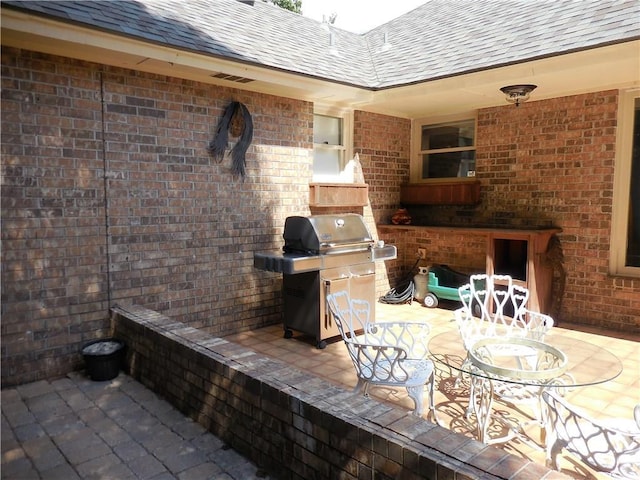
x=518 y=93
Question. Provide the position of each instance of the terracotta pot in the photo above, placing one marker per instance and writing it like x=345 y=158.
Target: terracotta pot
x=401 y=217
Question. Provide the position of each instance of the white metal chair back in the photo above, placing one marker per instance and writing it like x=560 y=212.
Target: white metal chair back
x=386 y=353
x=351 y=316
x=603 y=445
x=494 y=305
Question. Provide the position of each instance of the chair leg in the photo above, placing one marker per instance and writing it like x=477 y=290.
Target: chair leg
x=416 y=394
x=552 y=455
x=362 y=387
x=432 y=403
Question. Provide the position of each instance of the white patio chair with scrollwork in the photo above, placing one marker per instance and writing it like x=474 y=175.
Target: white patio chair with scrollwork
x=493 y=305
x=609 y=446
x=392 y=354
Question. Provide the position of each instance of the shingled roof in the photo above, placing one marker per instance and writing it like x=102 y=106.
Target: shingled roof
x=441 y=38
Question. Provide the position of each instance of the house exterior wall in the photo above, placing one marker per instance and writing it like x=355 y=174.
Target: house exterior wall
x=540 y=164
x=110 y=197
x=124 y=205
x=383 y=146
x=553 y=162
x=54 y=268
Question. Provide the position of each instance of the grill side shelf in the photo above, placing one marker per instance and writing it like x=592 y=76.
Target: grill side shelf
x=287 y=263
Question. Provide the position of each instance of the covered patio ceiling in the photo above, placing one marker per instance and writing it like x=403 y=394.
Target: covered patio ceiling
x=608 y=67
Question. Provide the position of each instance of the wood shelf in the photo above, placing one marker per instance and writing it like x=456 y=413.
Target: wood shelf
x=455 y=192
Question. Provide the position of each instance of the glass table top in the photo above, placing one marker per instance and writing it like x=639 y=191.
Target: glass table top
x=570 y=361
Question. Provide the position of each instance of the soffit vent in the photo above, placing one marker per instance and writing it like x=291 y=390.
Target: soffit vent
x=232 y=78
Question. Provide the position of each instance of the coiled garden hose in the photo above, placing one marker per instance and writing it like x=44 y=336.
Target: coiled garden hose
x=404 y=292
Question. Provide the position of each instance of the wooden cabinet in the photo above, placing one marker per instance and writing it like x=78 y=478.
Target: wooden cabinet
x=455 y=192
x=521 y=254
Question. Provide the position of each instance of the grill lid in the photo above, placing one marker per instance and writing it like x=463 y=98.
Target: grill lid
x=320 y=234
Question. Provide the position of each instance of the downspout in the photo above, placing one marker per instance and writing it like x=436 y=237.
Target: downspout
x=105 y=183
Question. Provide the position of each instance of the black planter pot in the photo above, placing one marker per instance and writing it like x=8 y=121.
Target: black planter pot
x=103 y=358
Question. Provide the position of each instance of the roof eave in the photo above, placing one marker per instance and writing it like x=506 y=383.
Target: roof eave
x=558 y=74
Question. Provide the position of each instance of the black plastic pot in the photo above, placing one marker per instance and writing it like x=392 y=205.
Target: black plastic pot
x=103 y=358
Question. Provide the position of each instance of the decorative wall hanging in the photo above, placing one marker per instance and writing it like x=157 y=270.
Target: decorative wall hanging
x=238 y=121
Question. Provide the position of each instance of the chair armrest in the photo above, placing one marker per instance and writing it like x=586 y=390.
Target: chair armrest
x=537 y=324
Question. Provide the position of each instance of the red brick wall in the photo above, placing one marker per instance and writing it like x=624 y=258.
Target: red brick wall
x=545 y=163
x=183 y=229
x=552 y=161
x=383 y=144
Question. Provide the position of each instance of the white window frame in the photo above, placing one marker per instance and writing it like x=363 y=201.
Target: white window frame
x=346 y=115
x=622 y=185
x=415 y=173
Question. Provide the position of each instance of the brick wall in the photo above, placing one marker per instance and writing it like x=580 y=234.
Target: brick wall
x=110 y=197
x=549 y=163
x=183 y=229
x=168 y=228
x=553 y=162
x=294 y=425
x=383 y=146
x=54 y=263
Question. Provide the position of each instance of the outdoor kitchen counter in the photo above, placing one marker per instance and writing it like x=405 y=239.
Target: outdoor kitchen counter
x=526 y=254
x=480 y=230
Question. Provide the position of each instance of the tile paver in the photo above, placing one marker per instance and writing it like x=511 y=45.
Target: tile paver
x=613 y=398
x=74 y=428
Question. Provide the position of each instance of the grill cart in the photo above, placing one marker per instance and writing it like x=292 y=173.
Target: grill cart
x=323 y=254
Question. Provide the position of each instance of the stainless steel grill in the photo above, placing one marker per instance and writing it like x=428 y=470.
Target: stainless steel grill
x=323 y=253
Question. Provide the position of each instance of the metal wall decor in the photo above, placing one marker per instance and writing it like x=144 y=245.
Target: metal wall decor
x=238 y=121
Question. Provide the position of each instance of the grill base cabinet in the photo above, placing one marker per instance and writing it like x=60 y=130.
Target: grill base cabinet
x=304 y=298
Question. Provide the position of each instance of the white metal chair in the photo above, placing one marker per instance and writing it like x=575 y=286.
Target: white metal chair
x=392 y=354
x=606 y=446
x=492 y=305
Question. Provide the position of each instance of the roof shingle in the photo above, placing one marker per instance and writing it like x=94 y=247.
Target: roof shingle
x=438 y=39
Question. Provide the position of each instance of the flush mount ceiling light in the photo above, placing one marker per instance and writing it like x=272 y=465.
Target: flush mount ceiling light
x=518 y=93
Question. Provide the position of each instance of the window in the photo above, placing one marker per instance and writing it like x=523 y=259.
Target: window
x=444 y=150
x=331 y=145
x=625 y=233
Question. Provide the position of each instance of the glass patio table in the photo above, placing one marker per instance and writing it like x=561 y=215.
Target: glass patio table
x=518 y=369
